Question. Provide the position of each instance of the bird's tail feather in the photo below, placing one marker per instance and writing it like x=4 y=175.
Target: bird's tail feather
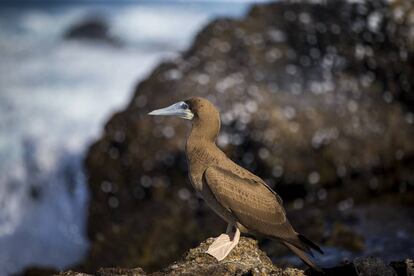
x=304 y=244
x=302 y=255
x=309 y=243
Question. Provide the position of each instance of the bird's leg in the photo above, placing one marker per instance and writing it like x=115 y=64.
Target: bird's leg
x=224 y=243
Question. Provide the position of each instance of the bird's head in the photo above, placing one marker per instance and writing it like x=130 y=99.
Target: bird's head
x=197 y=109
x=203 y=114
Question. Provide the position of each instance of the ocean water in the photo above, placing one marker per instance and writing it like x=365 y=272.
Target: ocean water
x=55 y=96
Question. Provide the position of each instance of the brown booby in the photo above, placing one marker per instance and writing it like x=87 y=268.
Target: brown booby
x=238 y=196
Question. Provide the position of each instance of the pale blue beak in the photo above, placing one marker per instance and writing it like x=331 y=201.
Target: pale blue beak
x=180 y=109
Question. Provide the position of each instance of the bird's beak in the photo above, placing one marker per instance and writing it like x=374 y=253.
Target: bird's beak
x=179 y=109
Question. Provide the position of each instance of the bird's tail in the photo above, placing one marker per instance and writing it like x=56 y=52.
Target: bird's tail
x=302 y=255
x=302 y=246
x=309 y=243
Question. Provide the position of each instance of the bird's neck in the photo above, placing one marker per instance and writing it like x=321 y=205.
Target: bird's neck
x=203 y=133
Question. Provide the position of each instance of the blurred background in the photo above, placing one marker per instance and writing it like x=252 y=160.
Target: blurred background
x=64 y=69
x=316 y=98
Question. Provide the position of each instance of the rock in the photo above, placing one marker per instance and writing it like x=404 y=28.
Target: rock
x=315 y=99
x=247 y=259
x=73 y=273
x=93 y=29
x=372 y=266
x=39 y=271
x=410 y=267
x=121 y=272
x=404 y=268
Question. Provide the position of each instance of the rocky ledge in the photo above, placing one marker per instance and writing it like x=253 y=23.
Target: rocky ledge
x=248 y=259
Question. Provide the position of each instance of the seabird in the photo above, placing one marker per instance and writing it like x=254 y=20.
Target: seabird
x=238 y=196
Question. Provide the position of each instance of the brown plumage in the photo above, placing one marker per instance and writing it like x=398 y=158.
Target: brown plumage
x=235 y=194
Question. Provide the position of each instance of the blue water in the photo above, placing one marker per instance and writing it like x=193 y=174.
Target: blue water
x=55 y=97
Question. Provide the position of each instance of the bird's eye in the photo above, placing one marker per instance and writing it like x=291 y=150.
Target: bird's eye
x=184 y=106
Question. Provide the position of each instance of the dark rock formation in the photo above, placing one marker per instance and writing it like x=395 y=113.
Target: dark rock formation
x=372 y=266
x=248 y=259
x=94 y=29
x=315 y=98
x=39 y=271
x=245 y=259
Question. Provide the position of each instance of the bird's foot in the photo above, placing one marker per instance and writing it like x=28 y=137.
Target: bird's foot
x=223 y=244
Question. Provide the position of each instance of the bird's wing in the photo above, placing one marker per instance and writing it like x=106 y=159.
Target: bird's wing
x=245 y=174
x=254 y=204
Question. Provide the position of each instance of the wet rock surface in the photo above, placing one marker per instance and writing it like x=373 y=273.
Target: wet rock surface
x=316 y=99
